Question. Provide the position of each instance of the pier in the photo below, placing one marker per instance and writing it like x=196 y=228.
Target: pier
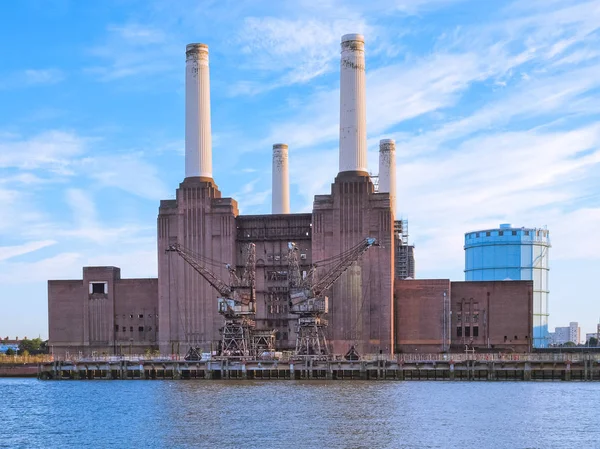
x=472 y=367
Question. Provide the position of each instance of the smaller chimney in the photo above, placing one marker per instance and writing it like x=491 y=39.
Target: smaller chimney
x=387 y=170
x=281 y=180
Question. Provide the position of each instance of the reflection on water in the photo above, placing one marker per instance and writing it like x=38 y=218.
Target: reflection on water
x=229 y=414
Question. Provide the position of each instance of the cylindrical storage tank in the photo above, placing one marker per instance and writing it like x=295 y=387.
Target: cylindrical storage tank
x=519 y=254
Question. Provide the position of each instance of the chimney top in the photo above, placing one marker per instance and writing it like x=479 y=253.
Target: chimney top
x=280 y=146
x=353 y=37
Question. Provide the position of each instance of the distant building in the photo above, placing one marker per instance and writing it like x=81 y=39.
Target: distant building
x=516 y=254
x=404 y=254
x=436 y=315
x=7 y=344
x=588 y=336
x=102 y=314
x=562 y=335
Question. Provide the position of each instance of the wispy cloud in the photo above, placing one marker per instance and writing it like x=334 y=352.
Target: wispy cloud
x=6 y=252
x=31 y=78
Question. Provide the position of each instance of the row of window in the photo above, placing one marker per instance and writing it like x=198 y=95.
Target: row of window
x=139 y=315
x=140 y=328
x=459 y=331
x=476 y=235
x=277 y=257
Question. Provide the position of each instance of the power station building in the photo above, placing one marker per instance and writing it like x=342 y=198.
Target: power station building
x=178 y=311
x=516 y=254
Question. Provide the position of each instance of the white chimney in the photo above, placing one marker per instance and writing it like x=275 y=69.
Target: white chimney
x=198 y=143
x=353 y=116
x=387 y=169
x=281 y=180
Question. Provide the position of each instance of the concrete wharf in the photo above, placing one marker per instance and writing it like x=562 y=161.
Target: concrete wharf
x=472 y=367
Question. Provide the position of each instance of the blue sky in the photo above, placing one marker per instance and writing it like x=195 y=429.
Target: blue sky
x=494 y=106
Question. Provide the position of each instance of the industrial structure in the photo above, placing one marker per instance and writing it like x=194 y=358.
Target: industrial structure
x=517 y=254
x=336 y=281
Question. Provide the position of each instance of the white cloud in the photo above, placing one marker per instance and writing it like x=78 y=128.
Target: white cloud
x=45 y=76
x=50 y=149
x=6 y=252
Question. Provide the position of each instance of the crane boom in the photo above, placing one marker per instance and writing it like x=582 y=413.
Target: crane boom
x=334 y=273
x=307 y=299
x=211 y=278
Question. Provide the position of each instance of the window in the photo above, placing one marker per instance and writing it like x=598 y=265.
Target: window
x=526 y=232
x=487 y=234
x=505 y=339
x=131 y=315
x=475 y=331
x=302 y=257
x=514 y=233
x=141 y=315
x=99 y=288
x=149 y=328
x=116 y=328
x=458 y=317
x=501 y=233
x=124 y=329
x=130 y=328
x=140 y=328
x=459 y=331
x=467 y=331
x=477 y=234
x=516 y=338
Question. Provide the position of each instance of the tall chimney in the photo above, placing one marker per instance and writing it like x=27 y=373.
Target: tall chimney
x=198 y=143
x=353 y=116
x=387 y=170
x=281 y=180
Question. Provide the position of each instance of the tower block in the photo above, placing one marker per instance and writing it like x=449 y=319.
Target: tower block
x=361 y=301
x=201 y=221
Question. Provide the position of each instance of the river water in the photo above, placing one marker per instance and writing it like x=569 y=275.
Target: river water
x=311 y=414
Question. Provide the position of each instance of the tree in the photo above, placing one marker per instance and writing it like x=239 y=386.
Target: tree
x=569 y=344
x=35 y=346
x=593 y=341
x=10 y=351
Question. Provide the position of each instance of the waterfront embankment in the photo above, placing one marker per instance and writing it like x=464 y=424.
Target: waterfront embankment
x=490 y=367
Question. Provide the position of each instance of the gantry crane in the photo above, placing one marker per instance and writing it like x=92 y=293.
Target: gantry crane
x=307 y=298
x=236 y=301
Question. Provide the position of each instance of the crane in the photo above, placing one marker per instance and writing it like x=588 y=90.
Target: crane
x=307 y=298
x=236 y=301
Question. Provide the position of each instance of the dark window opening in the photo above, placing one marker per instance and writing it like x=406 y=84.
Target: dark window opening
x=141 y=315
x=149 y=328
x=477 y=234
x=140 y=328
x=500 y=233
x=98 y=287
x=459 y=331
x=467 y=331
x=116 y=328
x=131 y=315
x=514 y=233
x=475 y=331
x=526 y=232
x=505 y=339
x=124 y=329
x=516 y=338
x=487 y=234
x=130 y=328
